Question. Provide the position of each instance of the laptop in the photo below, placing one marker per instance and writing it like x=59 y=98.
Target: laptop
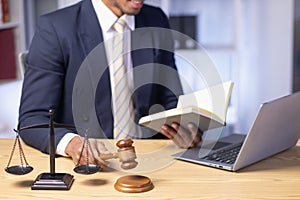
x=276 y=128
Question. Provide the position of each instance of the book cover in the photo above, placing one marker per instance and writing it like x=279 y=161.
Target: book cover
x=1 y=18
x=7 y=54
x=5 y=11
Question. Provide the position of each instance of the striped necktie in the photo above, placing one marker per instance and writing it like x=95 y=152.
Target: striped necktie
x=124 y=125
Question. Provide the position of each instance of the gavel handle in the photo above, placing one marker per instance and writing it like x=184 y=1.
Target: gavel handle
x=109 y=156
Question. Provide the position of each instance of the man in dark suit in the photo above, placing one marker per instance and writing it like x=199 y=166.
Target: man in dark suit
x=61 y=48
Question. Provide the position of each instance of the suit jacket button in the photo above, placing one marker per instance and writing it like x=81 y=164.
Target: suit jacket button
x=85 y=118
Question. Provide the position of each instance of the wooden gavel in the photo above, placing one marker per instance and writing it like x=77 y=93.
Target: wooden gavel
x=126 y=154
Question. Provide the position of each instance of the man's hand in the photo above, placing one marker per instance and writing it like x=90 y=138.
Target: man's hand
x=74 y=149
x=182 y=137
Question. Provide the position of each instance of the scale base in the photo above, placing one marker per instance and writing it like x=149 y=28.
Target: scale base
x=58 y=181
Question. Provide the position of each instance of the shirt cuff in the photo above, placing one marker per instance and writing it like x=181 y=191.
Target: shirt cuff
x=61 y=147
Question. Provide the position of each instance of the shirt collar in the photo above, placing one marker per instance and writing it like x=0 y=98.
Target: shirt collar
x=107 y=18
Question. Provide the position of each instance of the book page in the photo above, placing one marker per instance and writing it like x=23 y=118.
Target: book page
x=205 y=108
x=214 y=99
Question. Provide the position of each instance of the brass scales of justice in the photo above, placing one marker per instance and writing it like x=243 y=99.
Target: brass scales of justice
x=63 y=181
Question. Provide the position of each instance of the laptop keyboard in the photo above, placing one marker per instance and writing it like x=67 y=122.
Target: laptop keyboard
x=227 y=155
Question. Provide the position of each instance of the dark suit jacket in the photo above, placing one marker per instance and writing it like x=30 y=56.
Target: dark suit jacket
x=67 y=71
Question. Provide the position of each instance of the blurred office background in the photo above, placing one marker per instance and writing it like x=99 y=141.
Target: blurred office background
x=254 y=43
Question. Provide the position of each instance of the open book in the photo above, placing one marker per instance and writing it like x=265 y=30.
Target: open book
x=206 y=108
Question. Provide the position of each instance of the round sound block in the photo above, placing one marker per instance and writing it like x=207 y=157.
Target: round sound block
x=133 y=184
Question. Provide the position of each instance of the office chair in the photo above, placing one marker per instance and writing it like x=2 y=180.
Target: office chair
x=22 y=57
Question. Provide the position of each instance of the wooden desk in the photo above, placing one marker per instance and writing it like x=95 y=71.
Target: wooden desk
x=275 y=178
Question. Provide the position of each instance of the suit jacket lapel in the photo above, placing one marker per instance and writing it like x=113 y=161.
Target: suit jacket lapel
x=90 y=31
x=91 y=38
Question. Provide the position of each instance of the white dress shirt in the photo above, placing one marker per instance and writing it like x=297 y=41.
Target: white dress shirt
x=106 y=20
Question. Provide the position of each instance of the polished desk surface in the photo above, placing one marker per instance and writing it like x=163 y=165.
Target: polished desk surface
x=277 y=177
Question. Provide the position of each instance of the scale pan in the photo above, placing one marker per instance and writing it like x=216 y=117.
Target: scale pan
x=19 y=169
x=87 y=169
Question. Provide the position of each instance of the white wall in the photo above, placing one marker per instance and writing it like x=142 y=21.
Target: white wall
x=261 y=34
x=9 y=107
x=265 y=58
x=64 y=3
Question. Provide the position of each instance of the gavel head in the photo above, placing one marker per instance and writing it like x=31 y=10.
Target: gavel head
x=126 y=153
